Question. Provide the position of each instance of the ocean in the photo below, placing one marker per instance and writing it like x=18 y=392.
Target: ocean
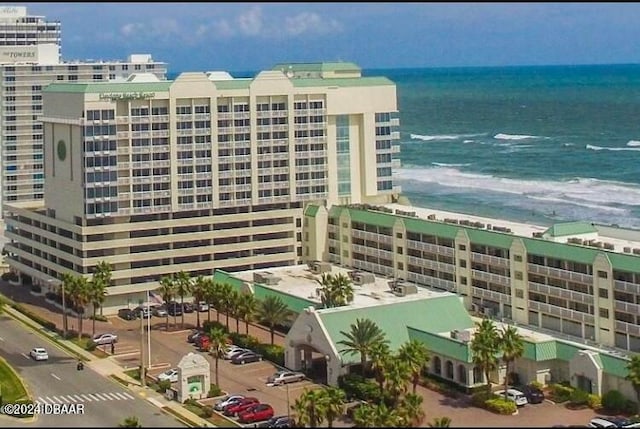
x=530 y=144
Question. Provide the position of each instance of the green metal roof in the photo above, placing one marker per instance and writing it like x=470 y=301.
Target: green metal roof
x=622 y=262
x=489 y=238
x=317 y=67
x=341 y=81
x=311 y=210
x=540 y=351
x=552 y=249
x=570 y=228
x=432 y=228
x=565 y=351
x=614 y=365
x=98 y=87
x=294 y=303
x=372 y=217
x=439 y=314
x=442 y=345
x=221 y=276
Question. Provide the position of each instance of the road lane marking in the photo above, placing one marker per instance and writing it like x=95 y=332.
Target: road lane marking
x=94 y=397
x=42 y=400
x=70 y=398
x=64 y=399
x=103 y=398
x=122 y=395
x=113 y=396
x=86 y=398
x=79 y=399
x=128 y=396
x=25 y=355
x=55 y=376
x=50 y=400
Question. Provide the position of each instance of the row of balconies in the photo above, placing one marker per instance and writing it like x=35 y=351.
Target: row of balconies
x=561 y=293
x=430 y=247
x=490 y=260
x=372 y=236
x=564 y=313
x=492 y=295
x=434 y=265
x=490 y=277
x=561 y=274
x=431 y=281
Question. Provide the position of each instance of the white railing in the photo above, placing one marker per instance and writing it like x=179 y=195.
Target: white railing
x=561 y=293
x=489 y=259
x=628 y=287
x=559 y=273
x=432 y=248
x=561 y=312
x=434 y=265
x=491 y=294
x=490 y=277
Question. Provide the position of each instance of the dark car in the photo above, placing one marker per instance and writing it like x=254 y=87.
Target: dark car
x=279 y=422
x=174 y=309
x=143 y=311
x=193 y=335
x=246 y=357
x=127 y=314
x=188 y=308
x=533 y=394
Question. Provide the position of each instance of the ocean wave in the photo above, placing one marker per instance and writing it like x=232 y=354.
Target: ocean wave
x=468 y=141
x=429 y=138
x=568 y=144
x=615 y=149
x=579 y=191
x=501 y=136
x=633 y=143
x=442 y=164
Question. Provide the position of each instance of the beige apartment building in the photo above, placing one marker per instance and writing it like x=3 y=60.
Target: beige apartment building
x=199 y=173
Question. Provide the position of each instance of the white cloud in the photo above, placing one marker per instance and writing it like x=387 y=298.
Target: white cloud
x=310 y=23
x=250 y=22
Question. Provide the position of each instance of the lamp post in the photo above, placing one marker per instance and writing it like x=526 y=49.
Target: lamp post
x=288 y=406
x=64 y=314
x=142 y=372
x=148 y=330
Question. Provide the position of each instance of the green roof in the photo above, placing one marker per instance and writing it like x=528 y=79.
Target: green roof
x=489 y=238
x=442 y=345
x=294 y=303
x=440 y=314
x=311 y=210
x=373 y=217
x=614 y=365
x=342 y=81
x=552 y=249
x=566 y=351
x=98 y=87
x=570 y=228
x=540 y=351
x=317 y=67
x=221 y=276
x=422 y=226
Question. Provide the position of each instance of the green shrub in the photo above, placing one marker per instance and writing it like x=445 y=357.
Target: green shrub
x=480 y=398
x=214 y=390
x=561 y=393
x=594 y=401
x=273 y=353
x=246 y=341
x=579 y=397
x=614 y=401
x=91 y=346
x=191 y=401
x=501 y=406
x=536 y=385
x=207 y=411
x=163 y=385
x=207 y=326
x=630 y=407
x=357 y=387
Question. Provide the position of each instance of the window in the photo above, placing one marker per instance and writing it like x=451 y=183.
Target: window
x=604 y=313
x=602 y=274
x=603 y=293
x=400 y=266
x=463 y=263
x=399 y=250
x=517 y=258
x=398 y=235
x=463 y=280
x=518 y=275
x=462 y=247
x=519 y=293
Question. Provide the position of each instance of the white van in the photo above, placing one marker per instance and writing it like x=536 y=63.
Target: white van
x=515 y=396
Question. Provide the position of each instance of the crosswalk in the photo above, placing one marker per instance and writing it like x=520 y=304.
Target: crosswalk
x=85 y=397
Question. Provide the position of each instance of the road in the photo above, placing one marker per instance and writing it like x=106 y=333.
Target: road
x=106 y=403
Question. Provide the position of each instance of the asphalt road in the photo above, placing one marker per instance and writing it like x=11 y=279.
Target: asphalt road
x=106 y=403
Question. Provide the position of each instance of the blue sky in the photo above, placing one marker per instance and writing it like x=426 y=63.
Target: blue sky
x=254 y=36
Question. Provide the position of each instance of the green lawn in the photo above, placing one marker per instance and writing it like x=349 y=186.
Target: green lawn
x=12 y=387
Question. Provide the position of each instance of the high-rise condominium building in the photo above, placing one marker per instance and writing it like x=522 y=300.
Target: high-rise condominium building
x=30 y=60
x=199 y=173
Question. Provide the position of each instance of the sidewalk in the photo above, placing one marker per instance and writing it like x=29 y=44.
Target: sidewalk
x=107 y=367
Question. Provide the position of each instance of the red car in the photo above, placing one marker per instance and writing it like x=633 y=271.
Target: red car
x=236 y=408
x=256 y=413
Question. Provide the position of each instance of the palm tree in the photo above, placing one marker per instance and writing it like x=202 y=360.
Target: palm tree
x=225 y=300
x=333 y=400
x=633 y=374
x=211 y=296
x=485 y=345
x=235 y=310
x=512 y=346
x=363 y=336
x=309 y=408
x=130 y=422
x=183 y=287
x=364 y=416
x=168 y=291
x=411 y=409
x=336 y=290
x=199 y=291
x=386 y=417
x=248 y=307
x=96 y=295
x=78 y=291
x=273 y=312
x=218 y=340
x=440 y=422
x=380 y=355
x=416 y=354
x=68 y=280
x=397 y=375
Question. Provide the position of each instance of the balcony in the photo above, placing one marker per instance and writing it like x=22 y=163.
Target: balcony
x=490 y=294
x=628 y=328
x=434 y=265
x=373 y=268
x=561 y=293
x=627 y=287
x=560 y=274
x=378 y=253
x=431 y=248
x=490 y=260
x=490 y=277
x=564 y=313
x=627 y=307
x=433 y=282
x=378 y=238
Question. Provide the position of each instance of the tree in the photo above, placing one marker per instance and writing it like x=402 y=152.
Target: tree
x=440 y=422
x=214 y=298
x=183 y=287
x=333 y=404
x=363 y=336
x=226 y=301
x=335 y=290
x=68 y=280
x=364 y=417
x=411 y=410
x=380 y=355
x=273 y=312
x=99 y=283
x=397 y=374
x=633 y=374
x=248 y=308
x=130 y=422
x=416 y=354
x=199 y=291
x=218 y=340
x=168 y=291
x=485 y=346
x=309 y=408
x=78 y=291
x=235 y=310
x=512 y=346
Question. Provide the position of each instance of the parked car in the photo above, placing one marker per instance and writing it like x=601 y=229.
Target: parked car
x=515 y=396
x=205 y=343
x=101 y=339
x=234 y=350
x=283 y=377
x=612 y=422
x=188 y=307
x=159 y=310
x=193 y=335
x=143 y=311
x=171 y=375
x=203 y=306
x=227 y=400
x=174 y=309
x=127 y=314
x=246 y=357
x=533 y=394
x=279 y=422
x=256 y=413
x=199 y=339
x=38 y=353
x=231 y=410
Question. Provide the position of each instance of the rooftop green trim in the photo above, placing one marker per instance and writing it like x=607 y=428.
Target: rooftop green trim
x=294 y=303
x=221 y=276
x=564 y=251
x=232 y=84
x=441 y=314
x=318 y=67
x=372 y=217
x=98 y=87
x=450 y=347
x=614 y=365
x=488 y=238
x=311 y=210
x=539 y=351
x=570 y=228
x=431 y=228
x=335 y=211
x=622 y=262
x=341 y=82
x=565 y=351
x=598 y=360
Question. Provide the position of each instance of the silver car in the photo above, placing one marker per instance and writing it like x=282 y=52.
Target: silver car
x=284 y=377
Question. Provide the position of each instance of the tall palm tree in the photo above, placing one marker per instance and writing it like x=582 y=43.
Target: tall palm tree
x=333 y=404
x=81 y=297
x=226 y=292
x=183 y=287
x=363 y=336
x=199 y=291
x=485 y=347
x=416 y=354
x=211 y=296
x=386 y=417
x=68 y=280
x=273 y=311
x=380 y=354
x=397 y=375
x=633 y=374
x=236 y=311
x=335 y=290
x=99 y=283
x=512 y=346
x=364 y=416
x=440 y=422
x=411 y=409
x=168 y=292
x=218 y=340
x=248 y=306
x=309 y=408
